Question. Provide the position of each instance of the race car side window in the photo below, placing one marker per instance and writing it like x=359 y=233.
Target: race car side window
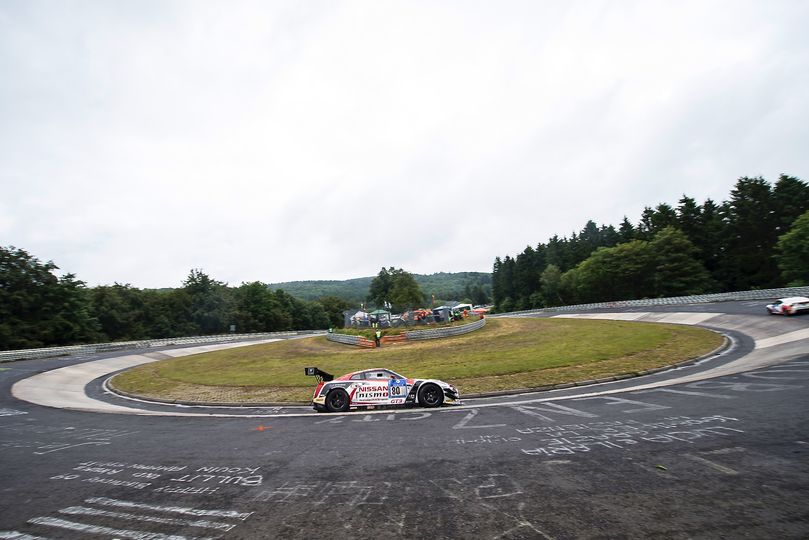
x=358 y=376
x=380 y=375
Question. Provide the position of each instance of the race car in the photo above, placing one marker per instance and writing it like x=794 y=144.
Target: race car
x=377 y=388
x=789 y=306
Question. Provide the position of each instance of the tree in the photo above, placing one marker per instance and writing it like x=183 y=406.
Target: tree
x=405 y=292
x=558 y=252
x=120 y=311
x=677 y=271
x=37 y=308
x=319 y=319
x=381 y=285
x=645 y=228
x=478 y=295
x=165 y=313
x=589 y=240
x=709 y=239
x=790 y=201
x=503 y=282
x=257 y=309
x=71 y=318
x=689 y=215
x=655 y=220
x=498 y=285
x=396 y=286
x=526 y=277
x=298 y=311
x=626 y=230
x=334 y=307
x=750 y=236
x=211 y=306
x=609 y=236
x=792 y=253
x=551 y=286
x=623 y=272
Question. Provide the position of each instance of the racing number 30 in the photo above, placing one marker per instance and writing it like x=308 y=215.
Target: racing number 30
x=397 y=388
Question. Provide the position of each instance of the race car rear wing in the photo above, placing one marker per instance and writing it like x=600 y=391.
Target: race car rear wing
x=322 y=376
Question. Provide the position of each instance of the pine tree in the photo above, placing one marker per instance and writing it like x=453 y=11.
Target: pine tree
x=689 y=216
x=626 y=230
x=790 y=201
x=750 y=236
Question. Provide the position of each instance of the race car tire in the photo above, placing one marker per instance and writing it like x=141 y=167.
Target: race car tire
x=337 y=400
x=431 y=395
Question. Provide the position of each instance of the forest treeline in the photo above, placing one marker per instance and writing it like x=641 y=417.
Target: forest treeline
x=756 y=239
x=39 y=309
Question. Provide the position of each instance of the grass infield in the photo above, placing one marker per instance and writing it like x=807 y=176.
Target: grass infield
x=505 y=354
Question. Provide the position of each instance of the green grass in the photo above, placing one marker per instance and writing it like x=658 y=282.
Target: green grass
x=505 y=354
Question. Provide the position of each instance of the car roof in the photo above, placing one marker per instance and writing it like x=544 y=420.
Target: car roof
x=794 y=299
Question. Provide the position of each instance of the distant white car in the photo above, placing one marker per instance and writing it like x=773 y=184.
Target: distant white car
x=789 y=306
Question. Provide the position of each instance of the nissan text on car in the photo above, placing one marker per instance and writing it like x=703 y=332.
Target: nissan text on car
x=789 y=306
x=372 y=388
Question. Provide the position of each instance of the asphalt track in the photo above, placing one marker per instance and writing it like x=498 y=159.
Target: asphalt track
x=718 y=449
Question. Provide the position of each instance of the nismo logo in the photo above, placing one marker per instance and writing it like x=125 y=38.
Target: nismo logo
x=371 y=391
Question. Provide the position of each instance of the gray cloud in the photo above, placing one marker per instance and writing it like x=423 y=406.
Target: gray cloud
x=325 y=140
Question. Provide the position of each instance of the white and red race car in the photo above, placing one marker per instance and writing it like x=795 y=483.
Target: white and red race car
x=378 y=388
x=789 y=306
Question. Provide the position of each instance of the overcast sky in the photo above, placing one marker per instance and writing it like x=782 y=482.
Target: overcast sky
x=280 y=141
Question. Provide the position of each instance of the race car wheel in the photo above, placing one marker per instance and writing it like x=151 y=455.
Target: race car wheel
x=431 y=395
x=337 y=400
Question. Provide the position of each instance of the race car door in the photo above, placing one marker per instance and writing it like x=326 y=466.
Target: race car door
x=395 y=386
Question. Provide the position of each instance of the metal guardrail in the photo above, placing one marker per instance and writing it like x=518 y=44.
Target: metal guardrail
x=347 y=339
x=436 y=333
x=430 y=333
x=83 y=351
x=763 y=294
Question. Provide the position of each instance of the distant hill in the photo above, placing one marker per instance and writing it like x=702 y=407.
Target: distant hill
x=444 y=285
